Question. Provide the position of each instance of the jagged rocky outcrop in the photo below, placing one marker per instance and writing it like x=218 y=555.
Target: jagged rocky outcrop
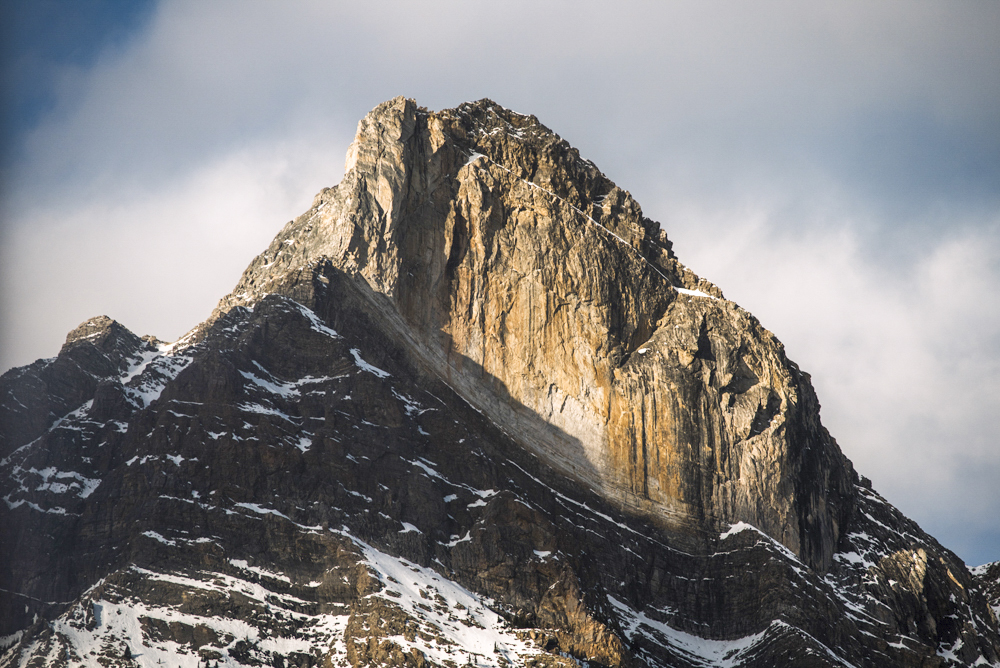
x=988 y=578
x=467 y=409
x=33 y=397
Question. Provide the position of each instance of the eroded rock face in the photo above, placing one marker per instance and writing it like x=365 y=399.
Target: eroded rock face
x=535 y=286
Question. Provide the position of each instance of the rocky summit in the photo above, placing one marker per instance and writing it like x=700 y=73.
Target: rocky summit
x=469 y=409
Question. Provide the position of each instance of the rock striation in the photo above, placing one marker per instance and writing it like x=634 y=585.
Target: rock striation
x=469 y=408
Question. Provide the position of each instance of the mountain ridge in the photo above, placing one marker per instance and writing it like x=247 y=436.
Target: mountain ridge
x=469 y=407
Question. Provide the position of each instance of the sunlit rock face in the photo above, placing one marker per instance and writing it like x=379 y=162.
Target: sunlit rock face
x=469 y=409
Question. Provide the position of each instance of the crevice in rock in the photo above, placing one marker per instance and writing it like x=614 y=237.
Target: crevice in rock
x=765 y=413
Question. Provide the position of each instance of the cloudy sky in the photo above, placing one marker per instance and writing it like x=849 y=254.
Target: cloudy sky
x=834 y=167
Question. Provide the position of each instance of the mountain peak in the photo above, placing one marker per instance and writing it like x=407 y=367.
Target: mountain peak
x=98 y=326
x=501 y=254
x=469 y=407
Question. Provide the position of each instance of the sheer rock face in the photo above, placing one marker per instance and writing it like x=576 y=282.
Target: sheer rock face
x=537 y=289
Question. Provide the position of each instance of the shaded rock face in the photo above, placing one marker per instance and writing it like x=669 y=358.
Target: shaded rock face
x=35 y=396
x=988 y=578
x=467 y=409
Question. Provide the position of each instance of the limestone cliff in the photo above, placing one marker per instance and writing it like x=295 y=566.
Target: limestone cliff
x=536 y=287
